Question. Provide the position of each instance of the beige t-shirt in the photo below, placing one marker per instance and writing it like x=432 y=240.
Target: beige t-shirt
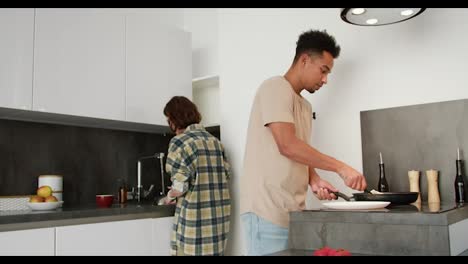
x=271 y=184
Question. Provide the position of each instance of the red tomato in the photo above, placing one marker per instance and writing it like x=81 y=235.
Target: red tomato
x=327 y=251
x=320 y=253
x=342 y=252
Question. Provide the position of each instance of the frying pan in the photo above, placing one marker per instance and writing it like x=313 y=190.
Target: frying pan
x=393 y=197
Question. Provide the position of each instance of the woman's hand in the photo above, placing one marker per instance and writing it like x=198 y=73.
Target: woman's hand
x=168 y=201
x=171 y=197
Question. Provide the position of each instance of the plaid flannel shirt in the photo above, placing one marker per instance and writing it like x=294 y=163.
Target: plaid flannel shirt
x=202 y=215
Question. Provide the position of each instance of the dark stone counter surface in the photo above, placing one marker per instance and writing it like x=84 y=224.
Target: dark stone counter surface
x=86 y=214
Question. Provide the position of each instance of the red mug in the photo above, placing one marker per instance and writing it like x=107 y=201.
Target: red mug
x=104 y=200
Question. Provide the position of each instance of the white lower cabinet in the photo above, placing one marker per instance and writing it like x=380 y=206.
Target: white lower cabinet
x=142 y=237
x=162 y=229
x=132 y=237
x=33 y=242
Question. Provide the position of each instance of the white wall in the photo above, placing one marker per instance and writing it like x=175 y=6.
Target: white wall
x=419 y=61
x=207 y=100
x=203 y=24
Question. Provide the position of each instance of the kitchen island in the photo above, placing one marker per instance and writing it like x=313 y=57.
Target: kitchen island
x=300 y=252
x=395 y=230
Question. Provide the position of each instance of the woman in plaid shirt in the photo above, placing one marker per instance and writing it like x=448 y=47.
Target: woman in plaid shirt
x=199 y=174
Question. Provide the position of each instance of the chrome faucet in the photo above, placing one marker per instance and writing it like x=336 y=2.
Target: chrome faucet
x=162 y=195
x=160 y=156
x=140 y=191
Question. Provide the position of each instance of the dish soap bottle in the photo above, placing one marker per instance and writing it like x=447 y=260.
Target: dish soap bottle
x=459 y=181
x=383 y=185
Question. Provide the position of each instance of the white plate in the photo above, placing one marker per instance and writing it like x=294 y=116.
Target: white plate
x=358 y=205
x=45 y=206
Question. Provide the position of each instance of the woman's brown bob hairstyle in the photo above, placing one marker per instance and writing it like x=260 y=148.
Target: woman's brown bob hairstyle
x=182 y=112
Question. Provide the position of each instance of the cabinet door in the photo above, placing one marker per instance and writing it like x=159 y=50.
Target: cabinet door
x=16 y=57
x=180 y=63
x=79 y=63
x=162 y=230
x=33 y=242
x=147 y=71
x=131 y=237
x=158 y=67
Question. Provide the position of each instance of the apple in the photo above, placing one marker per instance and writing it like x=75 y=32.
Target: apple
x=36 y=199
x=44 y=191
x=50 y=199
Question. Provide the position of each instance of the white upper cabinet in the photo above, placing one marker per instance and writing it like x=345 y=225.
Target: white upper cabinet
x=16 y=57
x=79 y=63
x=96 y=63
x=159 y=66
x=180 y=63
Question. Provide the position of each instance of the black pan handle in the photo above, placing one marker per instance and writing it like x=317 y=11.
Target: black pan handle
x=342 y=195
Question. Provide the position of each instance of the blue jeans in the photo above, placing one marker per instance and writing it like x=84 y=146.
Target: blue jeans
x=263 y=237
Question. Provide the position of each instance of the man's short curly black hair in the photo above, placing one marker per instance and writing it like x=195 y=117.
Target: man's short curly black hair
x=316 y=42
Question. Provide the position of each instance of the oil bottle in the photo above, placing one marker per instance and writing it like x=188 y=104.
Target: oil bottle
x=383 y=185
x=459 y=181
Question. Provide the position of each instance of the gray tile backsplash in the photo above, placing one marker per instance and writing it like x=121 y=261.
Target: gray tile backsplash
x=418 y=137
x=91 y=160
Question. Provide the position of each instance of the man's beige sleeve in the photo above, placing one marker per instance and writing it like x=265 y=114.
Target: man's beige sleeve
x=276 y=104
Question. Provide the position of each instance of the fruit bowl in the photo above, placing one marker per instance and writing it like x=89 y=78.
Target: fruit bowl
x=45 y=206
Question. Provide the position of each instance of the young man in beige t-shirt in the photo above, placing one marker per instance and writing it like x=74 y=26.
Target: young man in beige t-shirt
x=279 y=163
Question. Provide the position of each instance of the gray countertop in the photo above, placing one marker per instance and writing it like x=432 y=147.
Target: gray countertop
x=400 y=215
x=86 y=214
x=302 y=252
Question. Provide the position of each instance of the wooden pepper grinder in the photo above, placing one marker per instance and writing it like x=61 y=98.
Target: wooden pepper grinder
x=413 y=176
x=432 y=186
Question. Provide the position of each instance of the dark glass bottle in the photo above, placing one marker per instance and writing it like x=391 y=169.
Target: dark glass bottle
x=459 y=182
x=383 y=185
